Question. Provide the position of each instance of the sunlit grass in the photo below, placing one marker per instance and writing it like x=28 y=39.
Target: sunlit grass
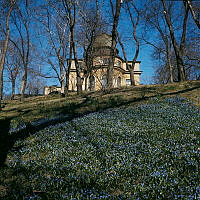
x=34 y=108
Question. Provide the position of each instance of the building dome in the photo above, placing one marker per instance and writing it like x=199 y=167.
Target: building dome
x=102 y=45
x=103 y=40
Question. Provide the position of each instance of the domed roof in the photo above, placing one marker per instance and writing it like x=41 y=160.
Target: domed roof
x=103 y=40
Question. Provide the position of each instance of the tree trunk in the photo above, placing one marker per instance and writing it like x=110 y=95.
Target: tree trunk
x=67 y=75
x=86 y=83
x=134 y=25
x=24 y=82
x=67 y=84
x=13 y=89
x=134 y=60
x=5 y=47
x=62 y=83
x=178 y=52
x=72 y=24
x=181 y=69
x=69 y=64
x=171 y=72
x=131 y=69
x=110 y=72
x=78 y=74
x=168 y=48
x=114 y=42
x=1 y=84
x=194 y=16
x=132 y=76
x=79 y=85
x=62 y=76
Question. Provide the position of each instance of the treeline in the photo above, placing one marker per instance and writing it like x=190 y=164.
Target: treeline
x=39 y=39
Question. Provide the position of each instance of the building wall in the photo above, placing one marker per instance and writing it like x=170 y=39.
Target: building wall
x=121 y=75
x=72 y=81
x=49 y=89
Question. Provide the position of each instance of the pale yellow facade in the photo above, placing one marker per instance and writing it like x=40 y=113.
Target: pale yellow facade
x=97 y=79
x=50 y=89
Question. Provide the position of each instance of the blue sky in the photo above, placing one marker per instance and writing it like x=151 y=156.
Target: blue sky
x=124 y=29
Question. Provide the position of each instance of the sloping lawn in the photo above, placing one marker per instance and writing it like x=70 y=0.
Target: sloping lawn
x=151 y=151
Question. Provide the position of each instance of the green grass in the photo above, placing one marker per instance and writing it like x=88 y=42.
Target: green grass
x=149 y=151
x=134 y=143
x=34 y=108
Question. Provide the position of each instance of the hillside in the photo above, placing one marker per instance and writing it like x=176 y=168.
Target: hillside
x=35 y=108
x=145 y=145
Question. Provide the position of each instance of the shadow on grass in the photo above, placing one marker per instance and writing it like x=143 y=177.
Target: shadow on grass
x=181 y=91
x=68 y=113
x=5 y=140
x=70 y=186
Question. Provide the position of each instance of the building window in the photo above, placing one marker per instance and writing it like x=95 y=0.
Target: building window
x=91 y=83
x=128 y=82
x=106 y=61
x=128 y=66
x=104 y=81
x=118 y=63
x=100 y=61
x=119 y=80
x=81 y=65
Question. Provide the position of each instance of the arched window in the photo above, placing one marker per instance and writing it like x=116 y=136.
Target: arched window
x=119 y=81
x=91 y=83
x=106 y=61
x=118 y=63
x=104 y=81
x=72 y=83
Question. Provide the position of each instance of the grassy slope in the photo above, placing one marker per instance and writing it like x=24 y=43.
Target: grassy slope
x=150 y=151
x=34 y=108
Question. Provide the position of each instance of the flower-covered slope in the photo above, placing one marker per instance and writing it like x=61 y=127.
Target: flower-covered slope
x=146 y=152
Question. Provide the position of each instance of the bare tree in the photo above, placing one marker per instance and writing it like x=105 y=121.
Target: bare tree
x=165 y=63
x=71 y=13
x=178 y=49
x=194 y=14
x=192 y=55
x=116 y=14
x=131 y=7
x=13 y=66
x=157 y=34
x=91 y=25
x=3 y=49
x=55 y=28
x=35 y=84
x=154 y=20
x=21 y=38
